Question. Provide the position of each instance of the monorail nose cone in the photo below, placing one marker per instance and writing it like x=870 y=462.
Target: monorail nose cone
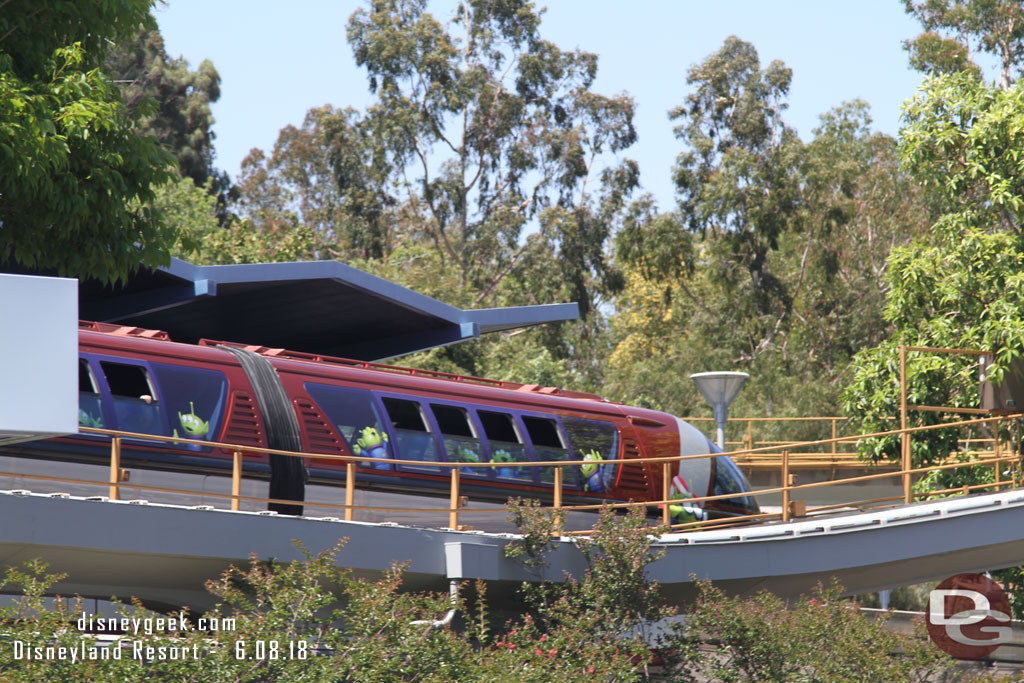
x=720 y=388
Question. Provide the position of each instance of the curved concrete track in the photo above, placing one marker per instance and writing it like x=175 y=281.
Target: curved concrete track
x=163 y=554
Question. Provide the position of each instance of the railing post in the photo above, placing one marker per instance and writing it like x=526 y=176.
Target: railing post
x=997 y=453
x=236 y=480
x=1017 y=453
x=666 y=486
x=558 y=489
x=785 y=485
x=115 y=468
x=904 y=434
x=834 y=449
x=350 y=489
x=453 y=511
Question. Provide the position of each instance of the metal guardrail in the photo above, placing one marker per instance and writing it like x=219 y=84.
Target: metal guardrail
x=791 y=506
x=833 y=459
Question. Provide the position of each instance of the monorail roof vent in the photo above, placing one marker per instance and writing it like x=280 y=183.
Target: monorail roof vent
x=555 y=391
x=123 y=330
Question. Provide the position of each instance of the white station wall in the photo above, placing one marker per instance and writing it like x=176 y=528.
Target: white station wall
x=38 y=357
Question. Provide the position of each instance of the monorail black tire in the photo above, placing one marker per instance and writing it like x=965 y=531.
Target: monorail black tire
x=287 y=482
x=288 y=474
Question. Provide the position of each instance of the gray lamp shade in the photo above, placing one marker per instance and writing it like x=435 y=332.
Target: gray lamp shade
x=720 y=388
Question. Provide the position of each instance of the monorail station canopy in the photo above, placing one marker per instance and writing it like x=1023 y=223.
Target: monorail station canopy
x=320 y=307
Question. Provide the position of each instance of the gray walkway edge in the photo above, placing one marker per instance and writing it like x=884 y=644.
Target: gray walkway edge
x=163 y=554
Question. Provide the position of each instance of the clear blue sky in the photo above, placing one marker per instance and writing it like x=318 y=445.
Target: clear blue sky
x=279 y=59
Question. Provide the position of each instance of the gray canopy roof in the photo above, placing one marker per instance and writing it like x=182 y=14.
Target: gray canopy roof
x=323 y=307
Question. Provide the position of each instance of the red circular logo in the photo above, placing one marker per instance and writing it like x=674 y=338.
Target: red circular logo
x=968 y=616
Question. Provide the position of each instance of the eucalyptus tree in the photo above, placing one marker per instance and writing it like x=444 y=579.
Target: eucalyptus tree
x=486 y=127
x=327 y=175
x=955 y=28
x=716 y=260
x=774 y=261
x=861 y=203
x=738 y=179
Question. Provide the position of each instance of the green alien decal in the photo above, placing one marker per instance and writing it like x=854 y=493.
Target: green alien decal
x=193 y=425
x=501 y=455
x=464 y=454
x=504 y=459
x=592 y=472
x=372 y=441
x=684 y=512
x=87 y=420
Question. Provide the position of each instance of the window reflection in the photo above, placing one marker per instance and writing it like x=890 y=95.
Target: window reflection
x=548 y=446
x=414 y=440
x=357 y=419
x=594 y=440
x=506 y=444
x=729 y=479
x=461 y=443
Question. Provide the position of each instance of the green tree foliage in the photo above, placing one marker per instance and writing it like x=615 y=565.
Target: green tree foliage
x=954 y=27
x=478 y=129
x=326 y=176
x=760 y=639
x=75 y=176
x=722 y=301
x=485 y=172
x=961 y=286
x=491 y=125
x=775 y=262
x=860 y=205
x=738 y=181
x=202 y=239
x=182 y=120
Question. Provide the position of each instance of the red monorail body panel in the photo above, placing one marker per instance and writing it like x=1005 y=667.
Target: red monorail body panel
x=641 y=432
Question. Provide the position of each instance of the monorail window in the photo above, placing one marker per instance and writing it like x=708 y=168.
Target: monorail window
x=507 y=446
x=194 y=399
x=594 y=440
x=729 y=479
x=355 y=414
x=90 y=411
x=548 y=445
x=461 y=443
x=414 y=440
x=136 y=408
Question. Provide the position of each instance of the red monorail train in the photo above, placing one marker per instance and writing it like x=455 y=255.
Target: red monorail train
x=138 y=380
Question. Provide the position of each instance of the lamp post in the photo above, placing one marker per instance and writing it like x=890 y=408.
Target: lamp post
x=720 y=389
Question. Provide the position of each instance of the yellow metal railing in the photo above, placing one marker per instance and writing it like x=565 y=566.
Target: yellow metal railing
x=751 y=454
x=789 y=490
